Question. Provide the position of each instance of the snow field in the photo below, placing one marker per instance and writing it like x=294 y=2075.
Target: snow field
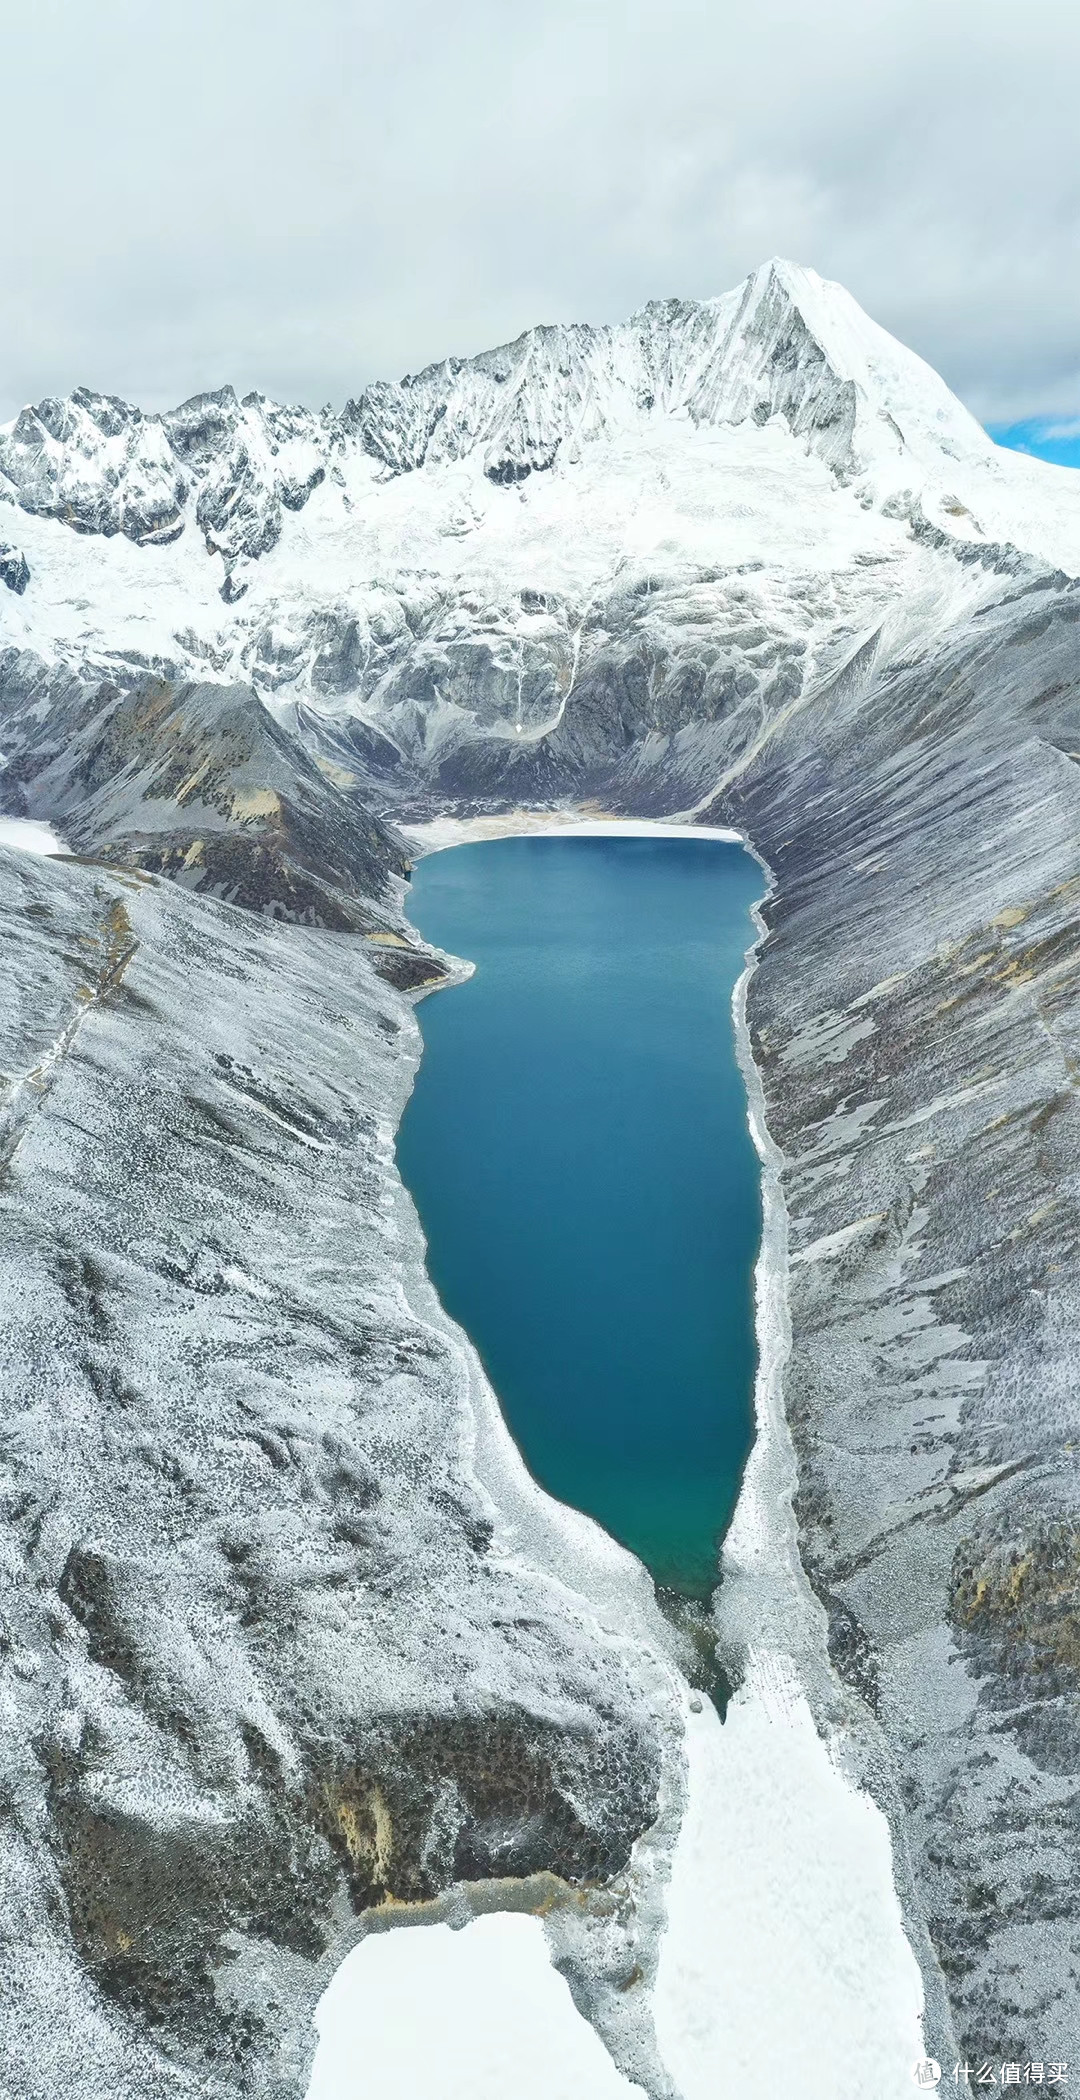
x=28 y=836
x=784 y=1967
x=430 y=2013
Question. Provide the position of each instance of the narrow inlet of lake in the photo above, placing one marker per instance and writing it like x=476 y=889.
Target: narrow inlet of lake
x=577 y=1148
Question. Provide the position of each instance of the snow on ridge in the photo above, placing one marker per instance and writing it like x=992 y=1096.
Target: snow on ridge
x=775 y=427
x=101 y=466
x=784 y=343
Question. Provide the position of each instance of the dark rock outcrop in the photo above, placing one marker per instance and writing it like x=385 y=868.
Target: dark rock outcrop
x=197 y=782
x=14 y=569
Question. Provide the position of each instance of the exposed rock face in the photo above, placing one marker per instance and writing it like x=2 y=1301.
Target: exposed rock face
x=746 y=560
x=102 y=466
x=14 y=569
x=96 y=464
x=196 y=781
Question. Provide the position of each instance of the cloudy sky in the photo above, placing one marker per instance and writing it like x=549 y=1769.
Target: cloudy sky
x=301 y=195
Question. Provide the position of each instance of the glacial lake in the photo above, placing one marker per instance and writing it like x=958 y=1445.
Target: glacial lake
x=577 y=1148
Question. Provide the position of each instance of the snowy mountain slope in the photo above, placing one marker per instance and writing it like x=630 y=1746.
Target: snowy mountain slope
x=442 y=563
x=784 y=343
x=784 y=346
x=98 y=465
x=197 y=781
x=746 y=560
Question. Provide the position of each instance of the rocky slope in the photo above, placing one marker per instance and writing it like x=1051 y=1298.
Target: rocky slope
x=745 y=560
x=915 y=1023
x=283 y=1636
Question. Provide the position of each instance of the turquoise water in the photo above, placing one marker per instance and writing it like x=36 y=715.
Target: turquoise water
x=576 y=1145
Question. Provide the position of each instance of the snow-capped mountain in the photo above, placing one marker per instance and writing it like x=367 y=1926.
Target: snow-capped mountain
x=783 y=344
x=226 y=467
x=747 y=561
x=589 y=559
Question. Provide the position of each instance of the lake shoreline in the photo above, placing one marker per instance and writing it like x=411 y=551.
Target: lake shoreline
x=597 y=1034
x=438 y=834
x=771 y=1638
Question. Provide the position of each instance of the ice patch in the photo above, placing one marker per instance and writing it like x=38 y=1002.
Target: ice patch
x=430 y=2013
x=834 y=1242
x=827 y=1039
x=29 y=836
x=784 y=1968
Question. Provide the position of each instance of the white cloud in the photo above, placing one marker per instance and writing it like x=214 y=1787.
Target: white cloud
x=1059 y=433
x=305 y=196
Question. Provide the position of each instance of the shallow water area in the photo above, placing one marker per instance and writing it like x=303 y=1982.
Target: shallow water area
x=577 y=1148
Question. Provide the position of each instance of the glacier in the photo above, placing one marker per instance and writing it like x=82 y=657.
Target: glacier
x=288 y=1638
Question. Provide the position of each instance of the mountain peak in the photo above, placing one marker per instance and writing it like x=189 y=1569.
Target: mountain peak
x=785 y=343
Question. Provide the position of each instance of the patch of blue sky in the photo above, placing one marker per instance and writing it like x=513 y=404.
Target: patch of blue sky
x=1046 y=437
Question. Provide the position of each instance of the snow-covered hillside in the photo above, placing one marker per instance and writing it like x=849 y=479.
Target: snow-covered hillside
x=775 y=425
x=753 y=488
x=746 y=562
